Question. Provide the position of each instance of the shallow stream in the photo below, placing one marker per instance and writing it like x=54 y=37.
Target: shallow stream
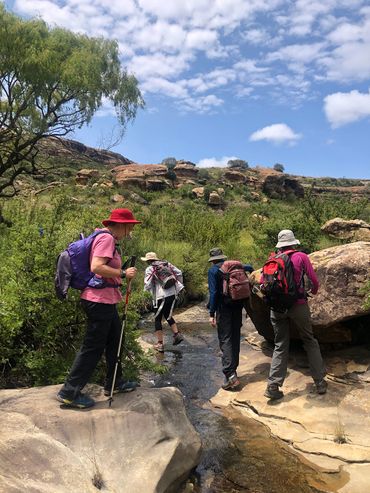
x=239 y=454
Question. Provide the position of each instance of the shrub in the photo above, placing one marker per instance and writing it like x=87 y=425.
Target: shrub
x=279 y=167
x=237 y=163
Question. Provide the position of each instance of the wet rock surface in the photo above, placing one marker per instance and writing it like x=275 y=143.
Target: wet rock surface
x=331 y=431
x=240 y=453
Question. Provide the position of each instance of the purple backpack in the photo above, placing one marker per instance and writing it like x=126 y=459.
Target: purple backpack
x=73 y=268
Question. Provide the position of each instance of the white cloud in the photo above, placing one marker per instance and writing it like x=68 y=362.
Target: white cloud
x=343 y=108
x=200 y=52
x=276 y=133
x=211 y=162
x=203 y=104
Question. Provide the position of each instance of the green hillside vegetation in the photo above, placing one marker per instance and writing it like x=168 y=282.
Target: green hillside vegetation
x=39 y=334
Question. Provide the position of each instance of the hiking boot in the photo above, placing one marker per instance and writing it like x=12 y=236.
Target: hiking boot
x=81 y=401
x=273 y=392
x=159 y=347
x=122 y=387
x=321 y=386
x=177 y=338
x=231 y=383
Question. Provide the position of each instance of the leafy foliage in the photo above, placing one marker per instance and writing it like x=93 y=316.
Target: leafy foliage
x=237 y=163
x=52 y=81
x=279 y=167
x=39 y=335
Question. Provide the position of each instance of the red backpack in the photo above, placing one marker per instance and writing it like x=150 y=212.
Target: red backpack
x=235 y=284
x=278 y=286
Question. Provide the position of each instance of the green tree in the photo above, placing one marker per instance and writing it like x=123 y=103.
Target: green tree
x=170 y=162
x=52 y=81
x=279 y=167
x=237 y=163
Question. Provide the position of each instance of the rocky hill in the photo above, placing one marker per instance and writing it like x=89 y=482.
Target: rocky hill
x=64 y=160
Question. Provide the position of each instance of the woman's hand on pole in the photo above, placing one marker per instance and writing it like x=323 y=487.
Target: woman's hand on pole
x=130 y=273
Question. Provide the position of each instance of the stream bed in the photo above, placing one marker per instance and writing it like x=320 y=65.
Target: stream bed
x=239 y=453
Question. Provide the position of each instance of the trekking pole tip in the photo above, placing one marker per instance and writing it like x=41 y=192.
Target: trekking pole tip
x=110 y=400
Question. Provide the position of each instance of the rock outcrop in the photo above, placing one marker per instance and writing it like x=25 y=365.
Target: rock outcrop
x=214 y=199
x=342 y=272
x=350 y=230
x=73 y=150
x=279 y=186
x=329 y=432
x=84 y=175
x=186 y=171
x=139 y=175
x=234 y=176
x=144 y=442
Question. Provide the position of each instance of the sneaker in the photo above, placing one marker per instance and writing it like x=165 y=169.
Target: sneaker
x=321 y=386
x=81 y=401
x=231 y=383
x=122 y=387
x=177 y=338
x=159 y=347
x=273 y=392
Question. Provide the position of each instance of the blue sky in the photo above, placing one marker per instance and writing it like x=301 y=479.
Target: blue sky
x=267 y=81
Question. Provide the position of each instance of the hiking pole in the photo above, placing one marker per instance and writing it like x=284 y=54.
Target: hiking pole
x=128 y=291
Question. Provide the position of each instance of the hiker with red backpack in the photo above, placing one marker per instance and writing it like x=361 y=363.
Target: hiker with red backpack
x=284 y=290
x=164 y=281
x=228 y=287
x=99 y=298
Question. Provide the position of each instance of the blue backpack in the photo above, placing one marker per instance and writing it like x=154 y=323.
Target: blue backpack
x=73 y=268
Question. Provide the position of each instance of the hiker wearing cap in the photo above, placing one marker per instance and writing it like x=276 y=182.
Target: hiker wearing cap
x=227 y=316
x=299 y=313
x=100 y=305
x=164 y=281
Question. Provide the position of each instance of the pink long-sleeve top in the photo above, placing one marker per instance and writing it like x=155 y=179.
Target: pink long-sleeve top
x=302 y=265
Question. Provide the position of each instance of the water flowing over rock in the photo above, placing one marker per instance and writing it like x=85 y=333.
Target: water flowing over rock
x=352 y=230
x=144 y=442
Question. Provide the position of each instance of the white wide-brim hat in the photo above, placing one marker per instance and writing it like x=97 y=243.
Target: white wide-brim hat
x=286 y=238
x=149 y=256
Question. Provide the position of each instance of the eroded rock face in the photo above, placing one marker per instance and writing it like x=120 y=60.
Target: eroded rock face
x=184 y=171
x=144 y=442
x=342 y=271
x=234 y=176
x=198 y=192
x=214 y=199
x=353 y=230
x=281 y=186
x=84 y=175
x=140 y=175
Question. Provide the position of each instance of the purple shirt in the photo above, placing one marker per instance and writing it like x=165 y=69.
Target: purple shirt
x=302 y=265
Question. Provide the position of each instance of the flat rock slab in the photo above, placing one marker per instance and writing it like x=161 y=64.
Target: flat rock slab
x=311 y=424
x=145 y=438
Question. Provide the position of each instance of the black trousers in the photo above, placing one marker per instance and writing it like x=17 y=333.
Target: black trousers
x=229 y=322
x=102 y=335
x=165 y=304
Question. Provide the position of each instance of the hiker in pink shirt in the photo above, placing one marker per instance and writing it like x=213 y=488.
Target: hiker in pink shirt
x=300 y=314
x=103 y=322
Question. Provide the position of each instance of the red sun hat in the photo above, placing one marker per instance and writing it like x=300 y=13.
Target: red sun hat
x=121 y=216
